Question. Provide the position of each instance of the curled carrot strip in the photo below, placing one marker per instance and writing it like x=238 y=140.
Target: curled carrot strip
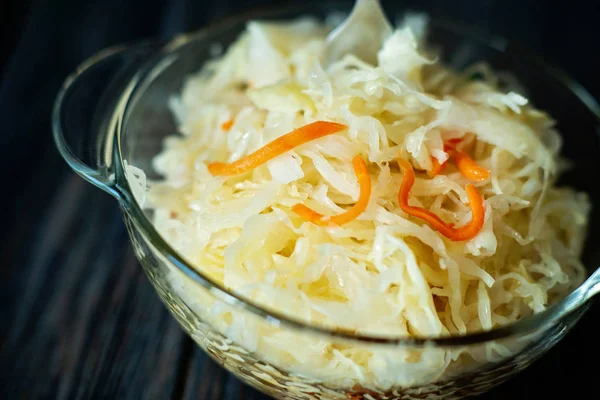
x=277 y=147
x=226 y=126
x=436 y=167
x=364 y=181
x=465 y=164
x=465 y=232
x=469 y=168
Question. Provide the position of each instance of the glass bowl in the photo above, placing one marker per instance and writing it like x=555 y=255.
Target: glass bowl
x=114 y=111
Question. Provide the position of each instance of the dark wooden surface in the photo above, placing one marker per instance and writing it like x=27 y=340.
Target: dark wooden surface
x=78 y=319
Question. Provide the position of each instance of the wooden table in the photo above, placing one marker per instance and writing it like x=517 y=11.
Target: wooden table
x=79 y=320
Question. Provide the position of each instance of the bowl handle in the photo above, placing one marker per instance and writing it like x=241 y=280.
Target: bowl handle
x=87 y=109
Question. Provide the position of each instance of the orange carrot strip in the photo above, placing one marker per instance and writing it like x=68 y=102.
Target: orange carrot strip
x=469 y=168
x=436 y=167
x=226 y=126
x=364 y=181
x=465 y=232
x=277 y=147
x=455 y=141
x=465 y=164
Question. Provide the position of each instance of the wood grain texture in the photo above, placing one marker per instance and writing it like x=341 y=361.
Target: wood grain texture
x=88 y=323
x=201 y=374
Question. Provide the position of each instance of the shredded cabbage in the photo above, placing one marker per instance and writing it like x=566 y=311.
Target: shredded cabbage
x=384 y=273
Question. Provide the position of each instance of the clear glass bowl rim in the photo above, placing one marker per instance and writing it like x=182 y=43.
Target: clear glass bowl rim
x=536 y=323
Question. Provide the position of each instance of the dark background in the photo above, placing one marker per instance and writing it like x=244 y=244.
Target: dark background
x=78 y=318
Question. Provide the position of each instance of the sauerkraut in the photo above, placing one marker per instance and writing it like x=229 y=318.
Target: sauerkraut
x=385 y=273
